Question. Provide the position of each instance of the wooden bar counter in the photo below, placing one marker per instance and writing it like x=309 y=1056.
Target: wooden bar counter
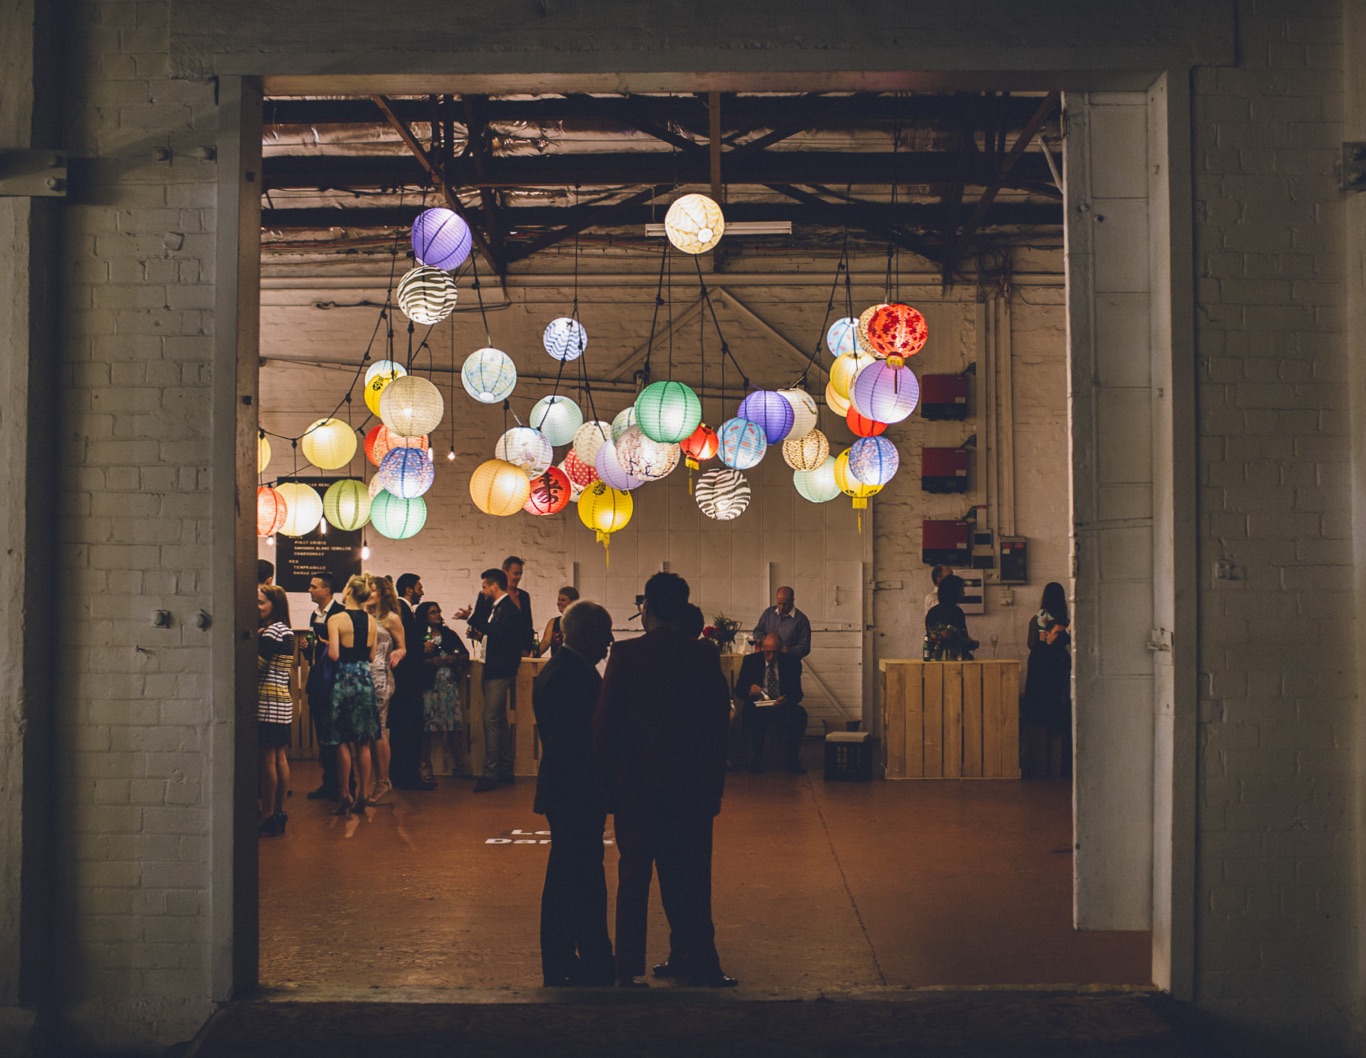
x=521 y=718
x=951 y=719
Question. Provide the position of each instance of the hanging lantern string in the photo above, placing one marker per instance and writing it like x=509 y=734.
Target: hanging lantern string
x=478 y=289
x=842 y=266
x=654 y=318
x=668 y=257
x=587 y=388
x=725 y=348
x=892 y=254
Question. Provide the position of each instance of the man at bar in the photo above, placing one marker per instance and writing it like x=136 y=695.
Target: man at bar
x=405 y=708
x=789 y=624
x=504 y=644
x=521 y=604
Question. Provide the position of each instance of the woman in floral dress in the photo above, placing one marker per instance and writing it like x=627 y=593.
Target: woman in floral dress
x=443 y=659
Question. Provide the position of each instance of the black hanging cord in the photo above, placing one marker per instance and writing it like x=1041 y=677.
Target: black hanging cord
x=725 y=347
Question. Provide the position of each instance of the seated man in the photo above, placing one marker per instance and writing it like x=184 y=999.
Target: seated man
x=769 y=691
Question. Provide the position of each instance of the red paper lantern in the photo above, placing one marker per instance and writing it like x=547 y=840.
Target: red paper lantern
x=862 y=426
x=370 y=439
x=549 y=492
x=381 y=440
x=271 y=510
x=579 y=472
x=897 y=330
x=701 y=444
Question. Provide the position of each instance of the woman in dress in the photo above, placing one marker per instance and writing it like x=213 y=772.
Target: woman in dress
x=1046 y=705
x=274 y=705
x=443 y=658
x=946 y=627
x=389 y=651
x=553 y=638
x=355 y=716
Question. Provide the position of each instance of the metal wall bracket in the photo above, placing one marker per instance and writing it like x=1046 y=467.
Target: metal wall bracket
x=32 y=174
x=1354 y=166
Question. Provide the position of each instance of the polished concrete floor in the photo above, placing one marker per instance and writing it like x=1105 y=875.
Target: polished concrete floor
x=819 y=887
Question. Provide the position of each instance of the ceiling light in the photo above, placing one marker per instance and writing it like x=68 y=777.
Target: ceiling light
x=737 y=227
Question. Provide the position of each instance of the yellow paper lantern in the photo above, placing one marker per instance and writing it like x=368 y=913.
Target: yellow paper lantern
x=499 y=488
x=694 y=224
x=376 y=384
x=839 y=405
x=328 y=444
x=605 y=510
x=851 y=486
x=262 y=453
x=845 y=369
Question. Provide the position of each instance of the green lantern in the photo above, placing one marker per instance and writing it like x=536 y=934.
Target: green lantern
x=668 y=412
x=396 y=518
x=817 y=485
x=346 y=504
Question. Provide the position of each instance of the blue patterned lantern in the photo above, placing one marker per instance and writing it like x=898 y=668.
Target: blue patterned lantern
x=770 y=411
x=397 y=518
x=668 y=412
x=441 y=239
x=557 y=417
x=873 y=460
x=885 y=393
x=565 y=338
x=742 y=443
x=842 y=337
x=488 y=375
x=406 y=472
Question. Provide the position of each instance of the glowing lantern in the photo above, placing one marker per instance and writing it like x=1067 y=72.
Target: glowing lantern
x=381 y=441
x=668 y=412
x=874 y=460
x=262 y=453
x=722 y=494
x=304 y=508
x=574 y=487
x=897 y=330
x=565 y=338
x=806 y=453
x=377 y=381
x=844 y=370
x=702 y=445
x=605 y=510
x=411 y=406
x=861 y=425
x=375 y=487
x=851 y=486
x=385 y=367
x=397 y=518
x=842 y=337
x=610 y=470
x=804 y=411
x=406 y=472
x=370 y=439
x=499 y=487
x=550 y=493
x=346 y=504
x=426 y=295
x=271 y=511
x=589 y=438
x=526 y=448
x=646 y=459
x=884 y=392
x=817 y=486
x=741 y=443
x=624 y=420
x=770 y=411
x=557 y=417
x=489 y=375
x=861 y=329
x=441 y=239
x=580 y=473
x=839 y=405
x=694 y=224
x=328 y=444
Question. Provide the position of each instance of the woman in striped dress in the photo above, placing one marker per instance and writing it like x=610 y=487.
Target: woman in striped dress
x=274 y=704
x=389 y=651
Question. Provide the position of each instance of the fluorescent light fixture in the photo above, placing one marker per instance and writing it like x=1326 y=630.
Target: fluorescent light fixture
x=737 y=227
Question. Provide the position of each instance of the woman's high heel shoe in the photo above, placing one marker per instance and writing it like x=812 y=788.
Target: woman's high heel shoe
x=344 y=807
x=281 y=818
x=270 y=826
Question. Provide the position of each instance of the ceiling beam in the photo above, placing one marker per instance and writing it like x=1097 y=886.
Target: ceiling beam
x=893 y=234
x=478 y=146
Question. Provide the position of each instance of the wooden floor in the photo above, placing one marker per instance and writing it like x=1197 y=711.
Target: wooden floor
x=818 y=886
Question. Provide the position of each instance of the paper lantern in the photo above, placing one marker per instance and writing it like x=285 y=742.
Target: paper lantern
x=346 y=504
x=741 y=443
x=722 y=494
x=549 y=492
x=644 y=458
x=385 y=367
x=271 y=510
x=873 y=460
x=526 y=448
x=862 y=426
x=411 y=406
x=397 y=518
x=770 y=411
x=580 y=473
x=557 y=417
x=375 y=487
x=441 y=239
x=610 y=470
x=885 y=392
x=701 y=446
x=817 y=486
x=574 y=487
x=897 y=330
x=623 y=421
x=378 y=382
x=426 y=295
x=851 y=486
x=328 y=444
x=805 y=414
x=806 y=453
x=406 y=472
x=839 y=405
x=861 y=329
x=499 y=488
x=262 y=453
x=371 y=436
x=604 y=509
x=489 y=375
x=565 y=338
x=694 y=224
x=842 y=337
x=589 y=438
x=668 y=412
x=844 y=370
x=381 y=440
x=304 y=508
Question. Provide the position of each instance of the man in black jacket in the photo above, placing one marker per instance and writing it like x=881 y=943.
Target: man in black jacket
x=769 y=690
x=504 y=644
x=319 y=686
x=405 y=708
x=575 y=947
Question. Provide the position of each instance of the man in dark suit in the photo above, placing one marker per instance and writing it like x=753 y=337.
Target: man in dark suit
x=405 y=708
x=319 y=686
x=575 y=948
x=504 y=643
x=659 y=741
x=521 y=601
x=770 y=676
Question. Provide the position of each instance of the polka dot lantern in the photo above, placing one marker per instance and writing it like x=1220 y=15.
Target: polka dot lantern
x=589 y=438
x=644 y=458
x=411 y=406
x=550 y=493
x=605 y=510
x=499 y=488
x=489 y=375
x=426 y=295
x=804 y=411
x=742 y=443
x=580 y=473
x=304 y=508
x=668 y=412
x=441 y=239
x=884 y=392
x=873 y=460
x=558 y=417
x=861 y=328
x=346 y=504
x=610 y=470
x=701 y=446
x=857 y=490
x=806 y=453
x=694 y=224
x=897 y=330
x=861 y=425
x=770 y=411
x=328 y=444
x=623 y=421
x=406 y=472
x=817 y=486
x=262 y=453
x=271 y=511
x=565 y=338
x=397 y=518
x=842 y=337
x=836 y=403
x=722 y=494
x=376 y=382
x=527 y=448
x=574 y=487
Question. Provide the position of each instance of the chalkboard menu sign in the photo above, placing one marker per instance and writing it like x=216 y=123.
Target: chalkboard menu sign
x=299 y=558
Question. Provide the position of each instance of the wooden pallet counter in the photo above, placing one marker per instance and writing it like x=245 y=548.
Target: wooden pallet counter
x=951 y=719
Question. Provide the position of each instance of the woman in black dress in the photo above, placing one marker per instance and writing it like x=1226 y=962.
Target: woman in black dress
x=1046 y=705
x=946 y=627
x=553 y=638
x=355 y=713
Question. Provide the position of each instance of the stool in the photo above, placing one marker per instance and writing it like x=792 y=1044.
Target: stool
x=848 y=756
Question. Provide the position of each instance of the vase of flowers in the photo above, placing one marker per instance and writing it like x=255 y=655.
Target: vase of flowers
x=722 y=632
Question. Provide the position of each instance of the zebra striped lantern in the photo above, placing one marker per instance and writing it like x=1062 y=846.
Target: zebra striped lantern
x=722 y=494
x=426 y=295
x=441 y=239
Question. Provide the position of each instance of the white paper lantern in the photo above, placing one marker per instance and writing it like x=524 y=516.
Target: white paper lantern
x=426 y=295
x=644 y=458
x=262 y=453
x=385 y=367
x=819 y=485
x=589 y=438
x=694 y=224
x=625 y=419
x=722 y=494
x=305 y=508
x=526 y=448
x=804 y=412
x=558 y=417
x=489 y=376
x=411 y=406
x=565 y=338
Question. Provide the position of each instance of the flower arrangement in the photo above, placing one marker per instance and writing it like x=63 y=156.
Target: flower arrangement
x=948 y=643
x=722 y=632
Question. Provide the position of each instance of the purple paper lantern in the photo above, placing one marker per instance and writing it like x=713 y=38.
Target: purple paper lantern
x=873 y=460
x=742 y=443
x=885 y=393
x=609 y=468
x=441 y=239
x=770 y=411
x=406 y=472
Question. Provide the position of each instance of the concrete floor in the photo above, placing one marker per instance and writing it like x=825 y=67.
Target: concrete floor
x=819 y=887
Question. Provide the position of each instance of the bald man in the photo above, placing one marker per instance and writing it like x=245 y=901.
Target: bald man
x=768 y=689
